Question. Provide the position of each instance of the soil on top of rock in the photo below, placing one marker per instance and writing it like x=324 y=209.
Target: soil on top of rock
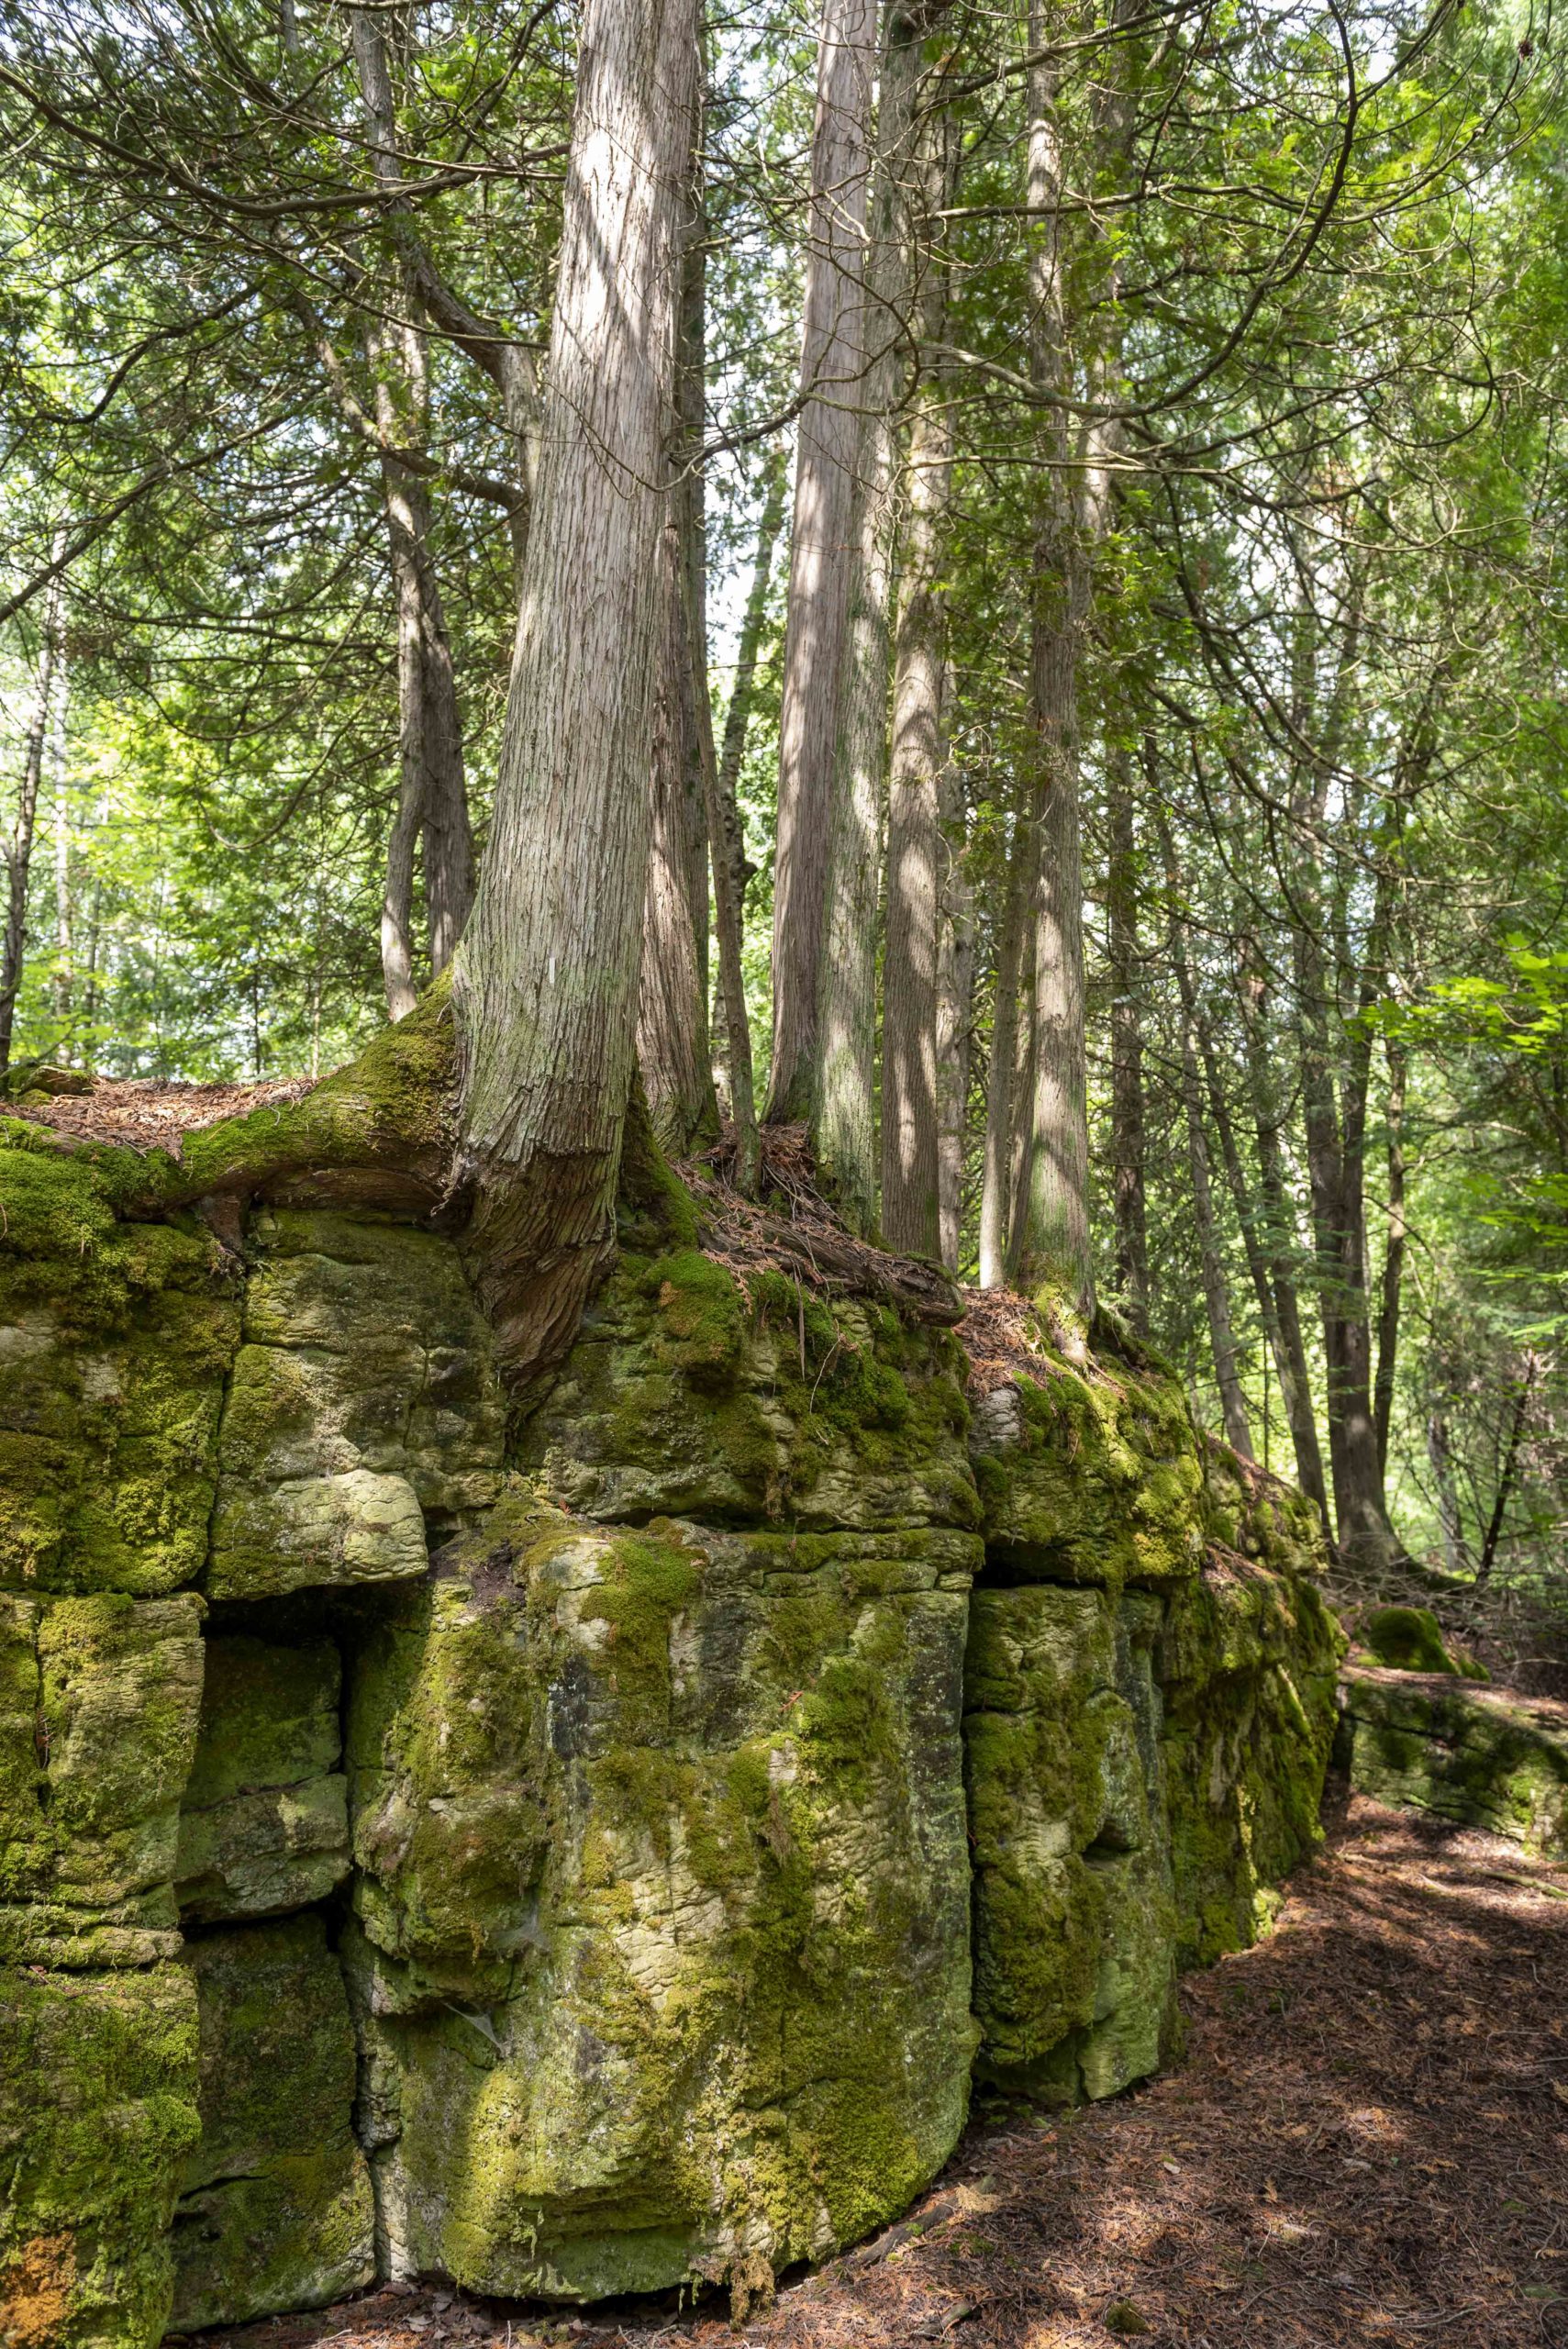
x=1368 y=2141
x=145 y=1113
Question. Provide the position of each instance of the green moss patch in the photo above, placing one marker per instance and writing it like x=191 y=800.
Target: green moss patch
x=275 y=2210
x=97 y=2111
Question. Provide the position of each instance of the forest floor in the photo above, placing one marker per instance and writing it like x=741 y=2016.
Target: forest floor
x=1367 y=2142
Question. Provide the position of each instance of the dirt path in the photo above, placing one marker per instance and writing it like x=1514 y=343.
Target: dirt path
x=1367 y=2142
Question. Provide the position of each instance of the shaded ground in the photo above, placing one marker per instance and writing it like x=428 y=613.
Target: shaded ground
x=1367 y=2142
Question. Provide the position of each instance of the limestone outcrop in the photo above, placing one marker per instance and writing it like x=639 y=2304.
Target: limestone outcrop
x=1483 y=1757
x=581 y=1841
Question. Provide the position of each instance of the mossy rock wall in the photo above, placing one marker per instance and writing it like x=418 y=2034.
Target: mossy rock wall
x=1482 y=1757
x=583 y=1848
x=1149 y=1712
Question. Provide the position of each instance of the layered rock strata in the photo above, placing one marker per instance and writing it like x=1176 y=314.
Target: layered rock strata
x=580 y=1854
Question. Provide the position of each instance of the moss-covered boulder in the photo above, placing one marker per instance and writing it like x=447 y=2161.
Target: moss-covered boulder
x=362 y=1403
x=115 y=1342
x=1074 y=1915
x=1089 y=1472
x=665 y=1961
x=264 y=1825
x=275 y=2210
x=1483 y=1757
x=628 y=1938
x=1247 y=1662
x=99 y=1699
x=689 y=1396
x=97 y=2110
x=1150 y=1708
x=1407 y=1639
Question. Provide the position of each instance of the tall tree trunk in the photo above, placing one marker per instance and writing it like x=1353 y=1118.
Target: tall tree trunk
x=1518 y=1413
x=731 y=1026
x=832 y=359
x=1394 y=1255
x=1335 y=1174
x=432 y=790
x=1277 y=1222
x=397 y=895
x=673 y=1037
x=1450 y=1522
x=64 y=964
x=1053 y=1240
x=912 y=1072
x=844 y=1086
x=671 y=1026
x=1216 y=1294
x=19 y=847
x=1127 y=1048
x=546 y=983
x=997 y=1186
x=955 y=1012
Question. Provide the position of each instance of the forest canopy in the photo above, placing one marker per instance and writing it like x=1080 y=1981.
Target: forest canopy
x=1098 y=549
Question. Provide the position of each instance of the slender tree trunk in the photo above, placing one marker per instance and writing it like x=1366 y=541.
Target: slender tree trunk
x=997 y=1186
x=731 y=1029
x=1516 y=1418
x=1054 y=1242
x=1126 y=1048
x=19 y=847
x=912 y=1069
x=90 y=1002
x=955 y=1009
x=1334 y=1158
x=1215 y=1295
x=673 y=1037
x=1217 y=1299
x=1278 y=1223
x=64 y=967
x=546 y=981
x=672 y=1027
x=832 y=361
x=1450 y=1523
x=845 y=1084
x=432 y=791
x=1394 y=1256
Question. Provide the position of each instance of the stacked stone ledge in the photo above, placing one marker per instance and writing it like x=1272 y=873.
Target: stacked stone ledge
x=578 y=1856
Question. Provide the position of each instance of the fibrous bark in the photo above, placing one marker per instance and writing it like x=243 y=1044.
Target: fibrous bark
x=546 y=986
x=833 y=359
x=912 y=1077
x=843 y=1088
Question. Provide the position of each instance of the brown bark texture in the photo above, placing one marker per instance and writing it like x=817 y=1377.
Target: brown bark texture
x=832 y=361
x=911 y=1070
x=546 y=986
x=843 y=1085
